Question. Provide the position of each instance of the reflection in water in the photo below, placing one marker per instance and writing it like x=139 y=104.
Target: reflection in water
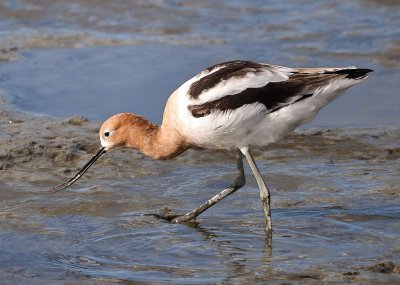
x=181 y=252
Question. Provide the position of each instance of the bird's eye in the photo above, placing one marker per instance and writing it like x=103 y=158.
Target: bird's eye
x=106 y=134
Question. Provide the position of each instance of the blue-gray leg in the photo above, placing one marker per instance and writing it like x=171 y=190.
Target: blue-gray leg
x=264 y=192
x=236 y=185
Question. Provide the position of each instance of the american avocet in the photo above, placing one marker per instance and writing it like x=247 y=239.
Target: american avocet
x=232 y=105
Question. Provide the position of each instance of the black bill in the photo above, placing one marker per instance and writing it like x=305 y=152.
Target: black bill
x=71 y=181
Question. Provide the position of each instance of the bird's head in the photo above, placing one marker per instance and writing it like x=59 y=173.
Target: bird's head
x=114 y=132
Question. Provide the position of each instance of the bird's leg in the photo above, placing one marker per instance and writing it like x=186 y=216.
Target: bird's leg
x=236 y=185
x=264 y=192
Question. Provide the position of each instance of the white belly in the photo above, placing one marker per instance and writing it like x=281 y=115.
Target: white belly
x=249 y=125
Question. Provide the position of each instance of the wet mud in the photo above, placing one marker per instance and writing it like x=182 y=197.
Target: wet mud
x=335 y=210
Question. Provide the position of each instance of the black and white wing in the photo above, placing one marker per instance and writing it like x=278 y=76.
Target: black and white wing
x=228 y=86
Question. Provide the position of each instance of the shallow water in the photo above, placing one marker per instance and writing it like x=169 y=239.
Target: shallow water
x=112 y=57
x=100 y=81
x=335 y=192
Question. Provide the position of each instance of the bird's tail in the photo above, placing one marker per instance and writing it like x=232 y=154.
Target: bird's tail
x=351 y=72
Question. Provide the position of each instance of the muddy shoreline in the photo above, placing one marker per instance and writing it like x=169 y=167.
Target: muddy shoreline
x=32 y=142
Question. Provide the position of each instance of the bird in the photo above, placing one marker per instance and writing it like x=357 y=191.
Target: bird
x=237 y=105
